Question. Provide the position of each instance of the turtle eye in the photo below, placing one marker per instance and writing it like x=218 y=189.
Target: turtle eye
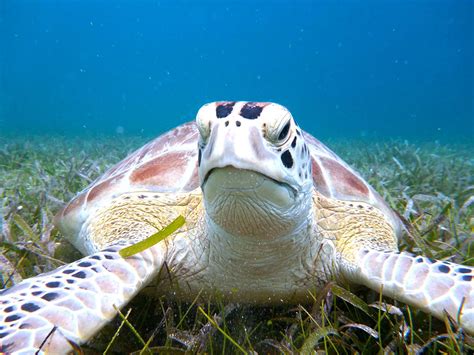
x=203 y=121
x=279 y=133
x=204 y=130
x=284 y=132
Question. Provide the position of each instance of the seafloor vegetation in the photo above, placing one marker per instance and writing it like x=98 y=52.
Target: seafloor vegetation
x=430 y=185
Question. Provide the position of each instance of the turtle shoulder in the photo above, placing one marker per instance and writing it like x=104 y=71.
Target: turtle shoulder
x=334 y=178
x=167 y=164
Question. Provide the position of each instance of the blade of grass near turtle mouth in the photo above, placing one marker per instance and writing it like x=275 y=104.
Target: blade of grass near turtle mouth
x=153 y=239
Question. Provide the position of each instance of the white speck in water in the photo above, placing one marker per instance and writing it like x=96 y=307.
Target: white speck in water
x=91 y=23
x=119 y=130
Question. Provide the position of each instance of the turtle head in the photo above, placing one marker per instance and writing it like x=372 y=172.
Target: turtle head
x=254 y=168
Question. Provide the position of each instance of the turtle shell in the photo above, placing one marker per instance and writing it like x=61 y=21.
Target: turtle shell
x=169 y=164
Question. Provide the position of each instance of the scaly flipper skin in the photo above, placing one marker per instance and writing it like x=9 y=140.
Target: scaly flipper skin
x=75 y=300
x=436 y=287
x=433 y=286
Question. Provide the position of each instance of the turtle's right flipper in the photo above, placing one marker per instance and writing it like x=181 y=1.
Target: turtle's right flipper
x=54 y=311
x=436 y=287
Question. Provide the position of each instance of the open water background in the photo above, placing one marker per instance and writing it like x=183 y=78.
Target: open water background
x=344 y=68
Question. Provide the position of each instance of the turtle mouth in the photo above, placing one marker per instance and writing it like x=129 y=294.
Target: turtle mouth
x=232 y=179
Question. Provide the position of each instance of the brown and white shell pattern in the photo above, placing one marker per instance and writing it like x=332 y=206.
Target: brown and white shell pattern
x=169 y=164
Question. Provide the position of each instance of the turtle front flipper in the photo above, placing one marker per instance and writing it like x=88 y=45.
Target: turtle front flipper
x=54 y=311
x=437 y=287
x=365 y=244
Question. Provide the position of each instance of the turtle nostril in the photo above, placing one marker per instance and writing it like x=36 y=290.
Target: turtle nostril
x=237 y=123
x=226 y=123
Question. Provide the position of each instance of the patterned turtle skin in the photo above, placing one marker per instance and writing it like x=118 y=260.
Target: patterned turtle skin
x=270 y=214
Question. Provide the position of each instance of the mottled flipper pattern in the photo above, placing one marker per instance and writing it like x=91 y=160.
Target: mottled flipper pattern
x=56 y=310
x=434 y=286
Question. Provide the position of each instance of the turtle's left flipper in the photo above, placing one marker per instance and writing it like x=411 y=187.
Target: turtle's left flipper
x=436 y=287
x=54 y=311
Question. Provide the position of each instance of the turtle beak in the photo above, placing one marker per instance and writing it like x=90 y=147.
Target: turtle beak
x=241 y=149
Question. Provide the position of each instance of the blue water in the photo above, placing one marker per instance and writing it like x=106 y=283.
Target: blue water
x=344 y=68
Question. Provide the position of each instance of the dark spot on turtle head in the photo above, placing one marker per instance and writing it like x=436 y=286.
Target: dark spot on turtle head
x=141 y=197
x=50 y=296
x=284 y=132
x=79 y=275
x=68 y=271
x=30 y=307
x=53 y=284
x=444 y=269
x=293 y=144
x=12 y=318
x=84 y=264
x=9 y=309
x=199 y=157
x=108 y=256
x=237 y=123
x=467 y=278
x=251 y=111
x=287 y=159
x=224 y=110
x=36 y=293
x=463 y=270
x=419 y=259
x=226 y=123
x=70 y=281
x=298 y=132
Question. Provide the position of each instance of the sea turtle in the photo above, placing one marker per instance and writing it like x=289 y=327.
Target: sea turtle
x=270 y=214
